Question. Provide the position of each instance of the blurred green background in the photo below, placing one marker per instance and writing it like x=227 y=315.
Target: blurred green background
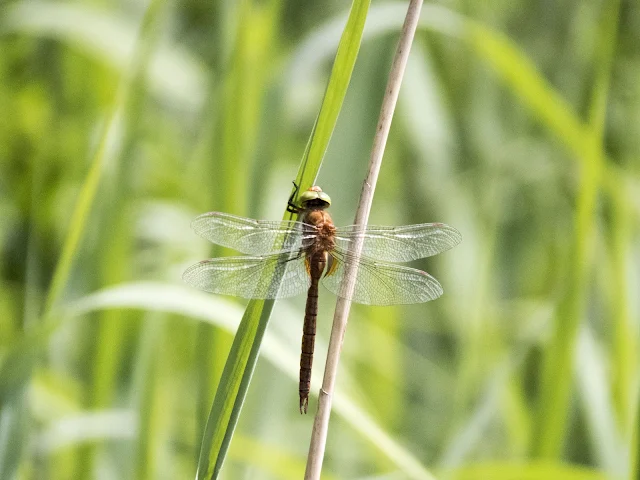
x=518 y=123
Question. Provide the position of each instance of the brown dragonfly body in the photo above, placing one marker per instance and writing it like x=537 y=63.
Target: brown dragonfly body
x=285 y=258
x=317 y=256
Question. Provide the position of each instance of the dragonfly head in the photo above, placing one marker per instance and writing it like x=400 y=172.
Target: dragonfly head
x=315 y=198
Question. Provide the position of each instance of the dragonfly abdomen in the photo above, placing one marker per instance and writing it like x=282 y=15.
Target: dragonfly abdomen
x=316 y=264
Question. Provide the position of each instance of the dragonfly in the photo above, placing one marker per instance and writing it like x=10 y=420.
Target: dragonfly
x=286 y=258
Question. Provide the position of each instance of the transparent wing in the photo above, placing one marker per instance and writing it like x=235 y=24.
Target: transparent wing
x=377 y=283
x=269 y=276
x=253 y=237
x=400 y=244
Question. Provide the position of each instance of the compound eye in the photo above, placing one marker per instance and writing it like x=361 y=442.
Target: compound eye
x=324 y=197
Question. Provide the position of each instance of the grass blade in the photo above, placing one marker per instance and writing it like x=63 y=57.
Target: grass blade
x=610 y=451
x=100 y=161
x=557 y=373
x=12 y=433
x=334 y=94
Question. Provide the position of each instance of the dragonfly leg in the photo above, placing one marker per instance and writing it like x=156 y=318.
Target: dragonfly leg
x=292 y=207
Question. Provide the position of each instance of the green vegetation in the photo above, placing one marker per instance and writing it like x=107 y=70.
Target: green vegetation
x=518 y=123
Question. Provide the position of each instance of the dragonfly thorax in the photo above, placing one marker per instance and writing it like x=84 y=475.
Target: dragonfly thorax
x=325 y=236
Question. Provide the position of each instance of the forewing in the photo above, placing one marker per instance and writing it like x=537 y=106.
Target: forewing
x=399 y=244
x=253 y=237
x=378 y=283
x=268 y=276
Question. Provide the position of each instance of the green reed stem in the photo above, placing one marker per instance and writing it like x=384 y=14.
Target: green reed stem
x=557 y=373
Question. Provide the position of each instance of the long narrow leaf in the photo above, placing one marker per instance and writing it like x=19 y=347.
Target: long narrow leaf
x=334 y=95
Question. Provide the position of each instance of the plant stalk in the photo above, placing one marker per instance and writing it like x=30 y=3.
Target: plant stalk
x=321 y=423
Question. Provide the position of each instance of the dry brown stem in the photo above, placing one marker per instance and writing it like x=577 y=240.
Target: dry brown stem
x=321 y=423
